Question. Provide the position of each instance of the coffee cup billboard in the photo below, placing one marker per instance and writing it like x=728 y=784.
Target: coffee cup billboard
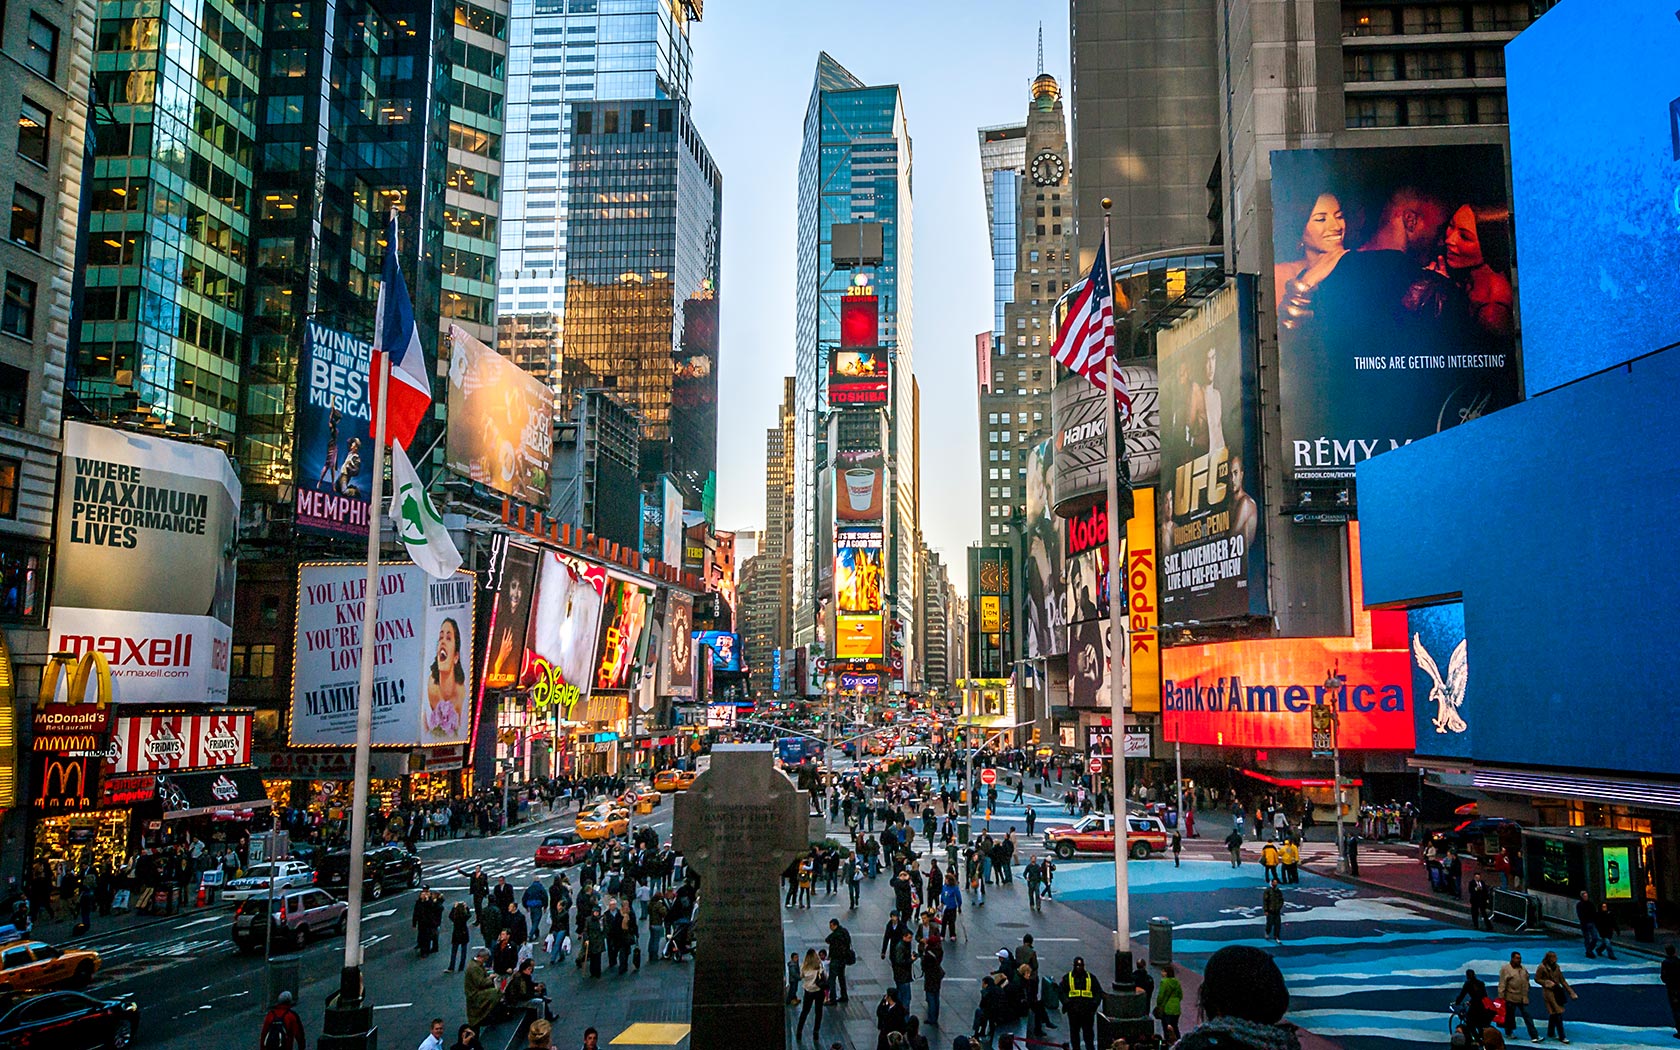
x=859 y=480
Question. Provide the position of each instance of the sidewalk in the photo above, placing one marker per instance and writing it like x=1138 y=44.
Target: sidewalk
x=59 y=931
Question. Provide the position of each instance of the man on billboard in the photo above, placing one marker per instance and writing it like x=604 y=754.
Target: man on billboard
x=1393 y=298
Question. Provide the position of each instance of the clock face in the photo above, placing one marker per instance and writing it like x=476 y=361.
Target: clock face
x=1048 y=168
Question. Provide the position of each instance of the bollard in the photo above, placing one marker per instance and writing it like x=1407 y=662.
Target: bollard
x=1160 y=941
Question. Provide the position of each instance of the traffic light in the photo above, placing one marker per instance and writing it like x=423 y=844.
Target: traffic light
x=1035 y=734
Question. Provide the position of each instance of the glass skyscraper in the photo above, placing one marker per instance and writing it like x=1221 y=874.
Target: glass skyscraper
x=562 y=52
x=1003 y=160
x=855 y=167
x=176 y=91
x=645 y=207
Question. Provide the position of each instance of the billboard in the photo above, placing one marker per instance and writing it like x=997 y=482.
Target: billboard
x=671 y=523
x=859 y=571
x=676 y=672
x=1042 y=559
x=623 y=633
x=334 y=444
x=860 y=485
x=146 y=530
x=720 y=577
x=175 y=743
x=1143 y=605
x=1393 y=297
x=1212 y=533
x=859 y=637
x=1591 y=91
x=858 y=368
x=1088 y=663
x=510 y=618
x=1259 y=693
x=991 y=627
x=725 y=647
x=1440 y=652
x=422 y=655
x=501 y=421
x=565 y=627
x=1079 y=472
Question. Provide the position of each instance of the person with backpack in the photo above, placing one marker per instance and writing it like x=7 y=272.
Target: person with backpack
x=840 y=956
x=282 y=1029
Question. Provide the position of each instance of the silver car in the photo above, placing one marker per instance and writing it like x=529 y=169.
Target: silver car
x=285 y=874
x=298 y=915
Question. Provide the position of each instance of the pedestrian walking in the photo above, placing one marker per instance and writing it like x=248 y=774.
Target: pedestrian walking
x=1169 y=1004
x=1268 y=862
x=1605 y=921
x=459 y=937
x=1671 y=984
x=1480 y=900
x=891 y=1016
x=1035 y=884
x=932 y=958
x=901 y=957
x=1513 y=988
x=1588 y=921
x=1233 y=845
x=1271 y=900
x=281 y=1029
x=1032 y=821
x=1081 y=993
x=813 y=983
x=535 y=900
x=1289 y=856
x=1177 y=845
x=794 y=977
x=840 y=955
x=950 y=905
x=1557 y=992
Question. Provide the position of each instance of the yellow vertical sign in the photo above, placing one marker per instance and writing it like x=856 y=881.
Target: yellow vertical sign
x=1143 y=607
x=989 y=615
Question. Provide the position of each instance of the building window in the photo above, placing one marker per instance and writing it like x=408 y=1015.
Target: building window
x=27 y=206
x=251 y=661
x=17 y=313
x=1432 y=18
x=1373 y=112
x=21 y=578
x=609 y=122
x=1365 y=67
x=42 y=53
x=584 y=124
x=14 y=394
x=10 y=471
x=1436 y=110
x=34 y=125
x=1367 y=21
x=665 y=120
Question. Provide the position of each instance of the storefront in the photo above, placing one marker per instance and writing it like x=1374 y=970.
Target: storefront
x=98 y=837
x=599 y=723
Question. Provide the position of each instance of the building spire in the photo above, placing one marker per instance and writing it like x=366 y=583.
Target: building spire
x=1041 y=48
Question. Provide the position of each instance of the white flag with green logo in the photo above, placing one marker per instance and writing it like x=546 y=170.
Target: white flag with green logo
x=417 y=522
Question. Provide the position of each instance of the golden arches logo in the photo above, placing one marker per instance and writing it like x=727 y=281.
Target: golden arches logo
x=76 y=672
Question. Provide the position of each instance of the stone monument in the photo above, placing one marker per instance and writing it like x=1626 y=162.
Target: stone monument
x=739 y=826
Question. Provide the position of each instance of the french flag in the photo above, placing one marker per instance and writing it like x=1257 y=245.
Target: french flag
x=409 y=393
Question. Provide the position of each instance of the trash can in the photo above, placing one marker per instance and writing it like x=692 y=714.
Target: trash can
x=962 y=833
x=282 y=975
x=1160 y=941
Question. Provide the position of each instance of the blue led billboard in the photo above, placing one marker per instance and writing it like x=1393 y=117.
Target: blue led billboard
x=1594 y=99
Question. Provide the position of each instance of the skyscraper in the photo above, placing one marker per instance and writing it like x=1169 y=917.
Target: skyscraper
x=563 y=52
x=645 y=203
x=854 y=176
x=1003 y=162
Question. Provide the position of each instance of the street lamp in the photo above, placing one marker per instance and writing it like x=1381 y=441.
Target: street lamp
x=1331 y=713
x=831 y=690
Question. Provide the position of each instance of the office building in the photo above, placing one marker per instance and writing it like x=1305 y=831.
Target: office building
x=596 y=450
x=1003 y=163
x=855 y=164
x=44 y=82
x=645 y=203
x=532 y=341
x=933 y=625
x=561 y=54
x=478 y=52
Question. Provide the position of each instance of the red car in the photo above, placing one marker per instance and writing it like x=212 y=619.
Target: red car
x=561 y=849
x=1095 y=834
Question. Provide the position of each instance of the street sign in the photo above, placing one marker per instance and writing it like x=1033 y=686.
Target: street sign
x=1323 y=730
x=988 y=777
x=1096 y=763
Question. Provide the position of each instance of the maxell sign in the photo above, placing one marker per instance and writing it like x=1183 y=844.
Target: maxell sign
x=145 y=568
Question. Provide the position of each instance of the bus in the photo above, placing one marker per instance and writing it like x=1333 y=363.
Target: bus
x=793 y=750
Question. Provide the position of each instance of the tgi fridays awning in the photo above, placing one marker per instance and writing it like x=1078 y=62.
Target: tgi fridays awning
x=194 y=794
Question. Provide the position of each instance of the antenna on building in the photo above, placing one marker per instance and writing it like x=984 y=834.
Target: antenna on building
x=1041 y=48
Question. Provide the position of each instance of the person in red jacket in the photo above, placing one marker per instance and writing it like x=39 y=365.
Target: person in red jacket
x=281 y=1029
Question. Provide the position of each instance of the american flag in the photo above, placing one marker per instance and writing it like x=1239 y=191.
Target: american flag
x=1086 y=338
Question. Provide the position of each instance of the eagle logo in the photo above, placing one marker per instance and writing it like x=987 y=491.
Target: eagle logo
x=1447 y=696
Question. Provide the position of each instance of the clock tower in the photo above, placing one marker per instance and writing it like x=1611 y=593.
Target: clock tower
x=1015 y=405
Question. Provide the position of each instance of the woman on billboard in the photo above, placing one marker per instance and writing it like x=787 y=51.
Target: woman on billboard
x=446 y=692
x=1322 y=246
x=1477 y=258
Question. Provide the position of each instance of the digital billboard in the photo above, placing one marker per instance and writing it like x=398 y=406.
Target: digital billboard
x=860 y=481
x=501 y=421
x=860 y=321
x=1259 y=693
x=1440 y=654
x=725 y=646
x=1088 y=663
x=1593 y=96
x=510 y=618
x=859 y=571
x=334 y=446
x=1393 y=297
x=1212 y=545
x=858 y=368
x=422 y=656
x=671 y=522
x=859 y=637
x=623 y=632
x=1143 y=605
x=146 y=533
x=676 y=670
x=1042 y=559
x=565 y=627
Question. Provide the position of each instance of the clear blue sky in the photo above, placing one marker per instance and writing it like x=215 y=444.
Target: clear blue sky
x=961 y=66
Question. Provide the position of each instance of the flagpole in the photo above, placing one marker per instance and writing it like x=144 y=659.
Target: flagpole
x=1119 y=677
x=350 y=984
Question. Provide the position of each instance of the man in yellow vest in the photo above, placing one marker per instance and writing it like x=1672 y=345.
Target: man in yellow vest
x=1269 y=862
x=1081 y=995
x=1291 y=857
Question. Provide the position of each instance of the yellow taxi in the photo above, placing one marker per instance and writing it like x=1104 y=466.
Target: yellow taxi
x=606 y=820
x=674 y=779
x=639 y=794
x=27 y=965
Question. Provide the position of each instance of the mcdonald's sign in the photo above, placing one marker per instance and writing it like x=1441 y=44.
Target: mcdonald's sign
x=72 y=736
